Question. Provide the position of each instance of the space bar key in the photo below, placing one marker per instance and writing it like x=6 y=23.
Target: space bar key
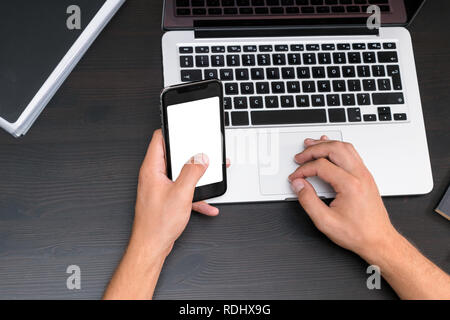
x=288 y=117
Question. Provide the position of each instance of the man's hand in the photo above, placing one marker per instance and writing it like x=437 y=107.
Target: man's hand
x=163 y=207
x=357 y=219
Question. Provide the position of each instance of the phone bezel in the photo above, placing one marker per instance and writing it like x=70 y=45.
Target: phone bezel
x=187 y=92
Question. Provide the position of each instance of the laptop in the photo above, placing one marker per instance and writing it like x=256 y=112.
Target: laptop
x=296 y=69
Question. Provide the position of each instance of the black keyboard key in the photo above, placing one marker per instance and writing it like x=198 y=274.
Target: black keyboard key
x=309 y=86
x=384 y=84
x=265 y=48
x=370 y=117
x=289 y=117
x=309 y=58
x=359 y=46
x=257 y=73
x=262 y=87
x=339 y=86
x=363 y=99
x=369 y=85
x=294 y=59
x=374 y=46
x=281 y=47
x=240 y=103
x=278 y=87
x=293 y=86
x=287 y=101
x=242 y=74
x=231 y=88
x=318 y=72
x=384 y=114
x=302 y=101
x=363 y=71
x=226 y=74
x=227 y=119
x=303 y=73
x=191 y=75
x=336 y=115
x=400 y=117
x=250 y=48
x=279 y=59
x=248 y=60
x=339 y=58
x=271 y=102
x=324 y=86
x=354 y=57
x=334 y=72
x=369 y=57
x=328 y=47
x=217 y=61
x=218 y=49
x=263 y=59
x=186 y=50
x=288 y=73
x=234 y=48
x=354 y=114
x=343 y=46
x=324 y=58
x=210 y=74
x=247 y=88
x=348 y=99
x=186 y=61
x=387 y=98
x=297 y=47
x=273 y=73
x=202 y=49
x=227 y=103
x=256 y=102
x=387 y=57
x=312 y=47
x=354 y=85
x=318 y=100
x=333 y=100
x=394 y=73
x=378 y=71
x=233 y=60
x=201 y=61
x=348 y=72
x=239 y=118
x=389 y=45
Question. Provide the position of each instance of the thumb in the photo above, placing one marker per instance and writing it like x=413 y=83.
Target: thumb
x=318 y=211
x=192 y=171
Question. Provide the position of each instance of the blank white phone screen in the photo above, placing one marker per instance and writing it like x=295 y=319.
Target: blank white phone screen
x=194 y=127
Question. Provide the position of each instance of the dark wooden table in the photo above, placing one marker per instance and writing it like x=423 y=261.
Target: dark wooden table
x=67 y=189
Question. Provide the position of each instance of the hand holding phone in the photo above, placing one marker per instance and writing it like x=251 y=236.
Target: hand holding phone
x=193 y=123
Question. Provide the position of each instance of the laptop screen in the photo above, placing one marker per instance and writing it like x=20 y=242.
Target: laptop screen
x=185 y=14
x=35 y=37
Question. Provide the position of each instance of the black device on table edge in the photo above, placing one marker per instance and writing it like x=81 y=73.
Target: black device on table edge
x=190 y=92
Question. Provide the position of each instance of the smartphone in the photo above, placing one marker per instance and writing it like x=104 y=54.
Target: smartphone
x=193 y=122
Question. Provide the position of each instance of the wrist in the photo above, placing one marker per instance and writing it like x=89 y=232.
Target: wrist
x=149 y=252
x=379 y=252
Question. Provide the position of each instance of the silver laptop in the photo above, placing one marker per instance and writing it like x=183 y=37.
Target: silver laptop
x=296 y=69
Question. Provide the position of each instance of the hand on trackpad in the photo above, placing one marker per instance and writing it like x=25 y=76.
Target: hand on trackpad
x=276 y=151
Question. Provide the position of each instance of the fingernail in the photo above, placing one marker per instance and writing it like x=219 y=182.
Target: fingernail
x=308 y=140
x=201 y=158
x=297 y=185
x=324 y=137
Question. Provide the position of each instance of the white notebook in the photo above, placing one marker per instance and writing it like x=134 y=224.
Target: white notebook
x=42 y=41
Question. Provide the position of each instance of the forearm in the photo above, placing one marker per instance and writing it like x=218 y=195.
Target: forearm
x=408 y=272
x=137 y=275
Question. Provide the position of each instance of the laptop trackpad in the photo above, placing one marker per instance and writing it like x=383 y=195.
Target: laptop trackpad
x=276 y=151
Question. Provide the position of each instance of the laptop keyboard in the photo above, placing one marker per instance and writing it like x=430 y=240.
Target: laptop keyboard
x=301 y=83
x=274 y=7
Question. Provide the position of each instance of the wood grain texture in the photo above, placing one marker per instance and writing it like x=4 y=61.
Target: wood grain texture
x=67 y=189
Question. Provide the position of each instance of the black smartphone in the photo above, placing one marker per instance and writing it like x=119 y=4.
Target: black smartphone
x=193 y=122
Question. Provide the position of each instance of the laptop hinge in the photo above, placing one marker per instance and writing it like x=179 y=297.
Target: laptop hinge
x=244 y=32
